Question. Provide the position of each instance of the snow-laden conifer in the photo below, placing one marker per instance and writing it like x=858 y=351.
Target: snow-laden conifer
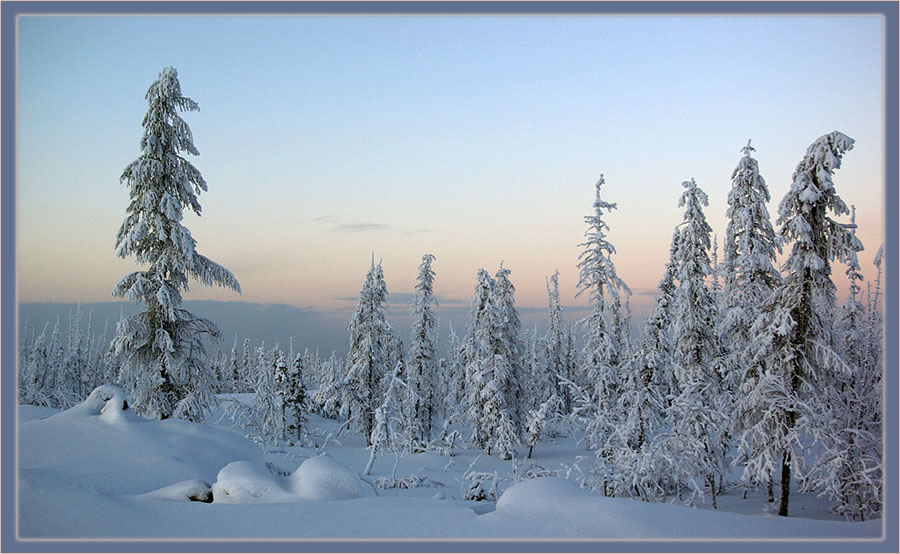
x=162 y=356
x=874 y=318
x=367 y=359
x=475 y=351
x=541 y=378
x=489 y=371
x=636 y=469
x=33 y=388
x=386 y=432
x=792 y=365
x=537 y=421
x=656 y=343
x=294 y=399
x=74 y=366
x=554 y=349
x=515 y=383
x=598 y=277
x=234 y=372
x=453 y=376
x=267 y=414
x=422 y=367
x=696 y=417
x=849 y=468
x=748 y=266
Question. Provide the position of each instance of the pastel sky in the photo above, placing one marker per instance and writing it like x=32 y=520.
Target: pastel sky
x=476 y=139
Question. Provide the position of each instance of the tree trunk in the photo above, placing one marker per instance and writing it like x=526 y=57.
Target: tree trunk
x=771 y=489
x=530 y=446
x=785 y=484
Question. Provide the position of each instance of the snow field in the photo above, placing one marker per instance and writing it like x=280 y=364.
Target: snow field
x=87 y=474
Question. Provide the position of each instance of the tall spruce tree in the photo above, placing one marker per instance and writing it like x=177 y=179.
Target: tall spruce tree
x=555 y=346
x=489 y=373
x=367 y=360
x=749 y=265
x=164 y=359
x=602 y=352
x=794 y=333
x=475 y=350
x=515 y=384
x=422 y=369
x=598 y=277
x=696 y=415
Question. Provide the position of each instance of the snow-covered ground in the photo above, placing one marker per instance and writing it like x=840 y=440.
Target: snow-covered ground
x=95 y=471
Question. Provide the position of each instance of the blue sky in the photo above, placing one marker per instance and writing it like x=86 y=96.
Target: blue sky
x=477 y=139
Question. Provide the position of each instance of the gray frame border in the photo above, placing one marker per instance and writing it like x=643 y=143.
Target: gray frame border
x=8 y=297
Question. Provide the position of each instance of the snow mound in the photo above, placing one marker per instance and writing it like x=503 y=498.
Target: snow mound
x=246 y=482
x=322 y=478
x=319 y=478
x=192 y=489
x=101 y=445
x=543 y=494
x=106 y=402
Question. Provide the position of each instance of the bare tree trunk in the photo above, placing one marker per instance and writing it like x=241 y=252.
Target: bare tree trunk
x=785 y=484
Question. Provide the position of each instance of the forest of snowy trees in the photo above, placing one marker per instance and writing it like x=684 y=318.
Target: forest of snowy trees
x=746 y=363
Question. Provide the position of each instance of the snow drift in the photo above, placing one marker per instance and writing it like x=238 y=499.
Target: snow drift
x=318 y=478
x=80 y=466
x=101 y=445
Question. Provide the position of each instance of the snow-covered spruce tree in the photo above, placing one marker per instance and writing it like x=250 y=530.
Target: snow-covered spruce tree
x=850 y=469
x=537 y=421
x=246 y=368
x=33 y=387
x=280 y=376
x=453 y=376
x=601 y=352
x=422 y=367
x=74 y=365
x=555 y=346
x=620 y=317
x=598 y=277
x=636 y=469
x=748 y=266
x=234 y=372
x=874 y=319
x=515 y=385
x=656 y=344
x=793 y=335
x=541 y=379
x=163 y=355
x=367 y=360
x=389 y=421
x=697 y=422
x=474 y=350
x=488 y=372
x=267 y=415
x=394 y=353
x=850 y=326
x=294 y=400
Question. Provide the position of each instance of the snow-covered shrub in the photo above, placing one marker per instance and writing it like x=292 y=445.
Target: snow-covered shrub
x=406 y=482
x=537 y=421
x=532 y=471
x=479 y=485
x=449 y=439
